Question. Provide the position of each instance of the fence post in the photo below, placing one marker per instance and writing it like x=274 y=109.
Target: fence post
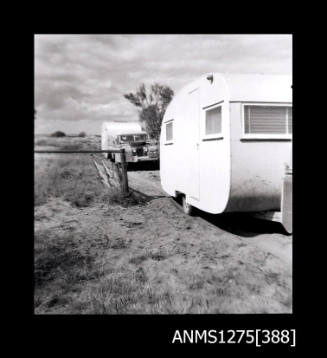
x=124 y=184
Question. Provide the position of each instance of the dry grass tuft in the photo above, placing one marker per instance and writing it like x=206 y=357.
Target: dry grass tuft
x=156 y=255
x=133 y=198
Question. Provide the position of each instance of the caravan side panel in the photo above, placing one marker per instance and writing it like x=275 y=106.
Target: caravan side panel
x=257 y=168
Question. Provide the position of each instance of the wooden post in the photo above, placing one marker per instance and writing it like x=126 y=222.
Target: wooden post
x=124 y=183
x=103 y=177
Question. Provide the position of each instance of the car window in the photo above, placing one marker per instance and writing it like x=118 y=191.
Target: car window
x=126 y=138
x=140 y=137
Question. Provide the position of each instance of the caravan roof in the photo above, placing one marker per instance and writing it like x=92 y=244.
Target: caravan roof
x=117 y=128
x=245 y=87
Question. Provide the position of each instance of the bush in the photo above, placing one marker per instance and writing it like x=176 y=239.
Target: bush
x=58 y=134
x=82 y=134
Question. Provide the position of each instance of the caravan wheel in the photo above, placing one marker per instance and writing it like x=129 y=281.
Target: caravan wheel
x=187 y=208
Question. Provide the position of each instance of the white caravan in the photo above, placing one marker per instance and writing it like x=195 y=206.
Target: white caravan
x=226 y=142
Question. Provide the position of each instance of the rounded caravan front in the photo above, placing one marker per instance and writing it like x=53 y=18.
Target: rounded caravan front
x=225 y=139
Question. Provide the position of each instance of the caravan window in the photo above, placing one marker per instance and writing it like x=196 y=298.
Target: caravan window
x=263 y=120
x=169 y=131
x=213 y=121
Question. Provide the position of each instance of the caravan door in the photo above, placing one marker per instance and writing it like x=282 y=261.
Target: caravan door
x=193 y=134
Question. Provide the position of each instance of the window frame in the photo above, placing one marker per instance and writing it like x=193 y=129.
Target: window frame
x=212 y=136
x=142 y=134
x=266 y=135
x=169 y=141
x=121 y=141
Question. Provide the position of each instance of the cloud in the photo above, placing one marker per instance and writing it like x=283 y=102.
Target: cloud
x=84 y=77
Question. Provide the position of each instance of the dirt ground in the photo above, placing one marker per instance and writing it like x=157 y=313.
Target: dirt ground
x=152 y=258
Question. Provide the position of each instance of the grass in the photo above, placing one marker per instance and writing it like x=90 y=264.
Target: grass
x=58 y=255
x=74 y=274
x=64 y=262
x=68 y=143
x=73 y=177
x=67 y=262
x=133 y=198
x=108 y=264
x=70 y=271
x=153 y=255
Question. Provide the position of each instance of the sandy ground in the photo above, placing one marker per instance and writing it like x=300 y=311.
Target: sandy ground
x=201 y=264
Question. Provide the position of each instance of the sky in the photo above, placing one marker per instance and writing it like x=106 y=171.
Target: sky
x=80 y=80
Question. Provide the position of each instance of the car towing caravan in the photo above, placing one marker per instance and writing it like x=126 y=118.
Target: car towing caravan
x=131 y=137
x=226 y=143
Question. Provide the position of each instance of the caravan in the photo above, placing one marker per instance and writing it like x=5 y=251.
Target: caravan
x=226 y=144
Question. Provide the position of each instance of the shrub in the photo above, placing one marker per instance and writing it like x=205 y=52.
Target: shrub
x=82 y=134
x=58 y=134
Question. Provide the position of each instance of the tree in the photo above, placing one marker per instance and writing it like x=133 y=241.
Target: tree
x=151 y=105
